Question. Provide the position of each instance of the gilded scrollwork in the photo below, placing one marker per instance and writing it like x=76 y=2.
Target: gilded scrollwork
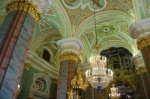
x=27 y=66
x=70 y=94
x=142 y=69
x=126 y=76
x=79 y=82
x=143 y=42
x=69 y=56
x=25 y=6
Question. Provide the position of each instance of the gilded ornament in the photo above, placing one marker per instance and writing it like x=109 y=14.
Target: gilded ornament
x=27 y=66
x=142 y=68
x=143 y=42
x=79 y=82
x=126 y=76
x=70 y=94
x=26 y=6
x=69 y=56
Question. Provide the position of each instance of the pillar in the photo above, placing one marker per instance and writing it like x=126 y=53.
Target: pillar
x=140 y=31
x=69 y=59
x=142 y=80
x=15 y=36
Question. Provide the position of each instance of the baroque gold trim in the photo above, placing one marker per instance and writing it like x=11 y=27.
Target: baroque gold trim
x=69 y=56
x=25 y=6
x=27 y=66
x=142 y=68
x=143 y=42
x=79 y=81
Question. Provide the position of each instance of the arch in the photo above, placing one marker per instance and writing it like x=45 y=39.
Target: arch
x=102 y=17
x=60 y=11
x=49 y=32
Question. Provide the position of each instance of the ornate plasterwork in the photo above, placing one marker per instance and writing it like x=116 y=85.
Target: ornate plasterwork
x=140 y=28
x=138 y=60
x=143 y=42
x=41 y=65
x=78 y=14
x=117 y=23
x=90 y=36
x=106 y=29
x=70 y=45
x=83 y=4
x=42 y=4
x=47 y=40
x=26 y=6
x=40 y=86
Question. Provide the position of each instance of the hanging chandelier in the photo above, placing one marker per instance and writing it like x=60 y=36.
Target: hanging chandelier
x=99 y=77
x=114 y=93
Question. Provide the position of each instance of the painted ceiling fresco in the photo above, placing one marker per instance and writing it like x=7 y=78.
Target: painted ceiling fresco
x=75 y=18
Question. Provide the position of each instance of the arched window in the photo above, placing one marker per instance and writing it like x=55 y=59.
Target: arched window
x=46 y=55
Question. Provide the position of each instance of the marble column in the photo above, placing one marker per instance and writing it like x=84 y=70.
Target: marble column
x=142 y=75
x=15 y=36
x=140 y=31
x=69 y=59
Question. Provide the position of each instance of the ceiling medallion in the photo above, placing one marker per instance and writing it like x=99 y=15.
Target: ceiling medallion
x=109 y=28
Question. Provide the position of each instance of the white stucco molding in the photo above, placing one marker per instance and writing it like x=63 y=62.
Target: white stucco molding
x=140 y=28
x=42 y=4
x=70 y=45
x=138 y=60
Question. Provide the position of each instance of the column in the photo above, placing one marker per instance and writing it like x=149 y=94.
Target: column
x=141 y=31
x=143 y=80
x=15 y=36
x=69 y=59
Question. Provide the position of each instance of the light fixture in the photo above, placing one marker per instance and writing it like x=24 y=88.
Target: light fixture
x=114 y=93
x=99 y=77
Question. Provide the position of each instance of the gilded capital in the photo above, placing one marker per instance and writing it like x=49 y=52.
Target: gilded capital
x=143 y=42
x=140 y=30
x=138 y=61
x=69 y=56
x=26 y=6
x=140 y=69
x=70 y=48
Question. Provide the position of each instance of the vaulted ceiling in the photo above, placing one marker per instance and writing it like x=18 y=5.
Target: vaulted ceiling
x=75 y=18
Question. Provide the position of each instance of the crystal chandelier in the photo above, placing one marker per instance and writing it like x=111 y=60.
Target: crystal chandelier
x=99 y=77
x=114 y=93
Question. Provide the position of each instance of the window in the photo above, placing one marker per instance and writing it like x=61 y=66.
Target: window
x=46 y=55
